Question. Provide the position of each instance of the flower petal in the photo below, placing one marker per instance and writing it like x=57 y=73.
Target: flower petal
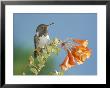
x=68 y=61
x=64 y=65
x=82 y=42
x=71 y=59
x=81 y=53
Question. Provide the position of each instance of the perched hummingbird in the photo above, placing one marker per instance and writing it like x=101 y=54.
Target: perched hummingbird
x=41 y=37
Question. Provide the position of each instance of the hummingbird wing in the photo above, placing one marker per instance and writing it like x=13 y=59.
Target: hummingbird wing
x=36 y=41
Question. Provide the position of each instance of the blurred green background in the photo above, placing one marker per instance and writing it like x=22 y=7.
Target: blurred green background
x=21 y=57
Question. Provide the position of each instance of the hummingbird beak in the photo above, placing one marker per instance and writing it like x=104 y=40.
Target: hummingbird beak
x=49 y=25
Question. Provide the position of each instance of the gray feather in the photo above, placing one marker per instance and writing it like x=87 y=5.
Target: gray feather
x=36 y=40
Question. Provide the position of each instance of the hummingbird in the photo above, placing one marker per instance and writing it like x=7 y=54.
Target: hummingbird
x=41 y=37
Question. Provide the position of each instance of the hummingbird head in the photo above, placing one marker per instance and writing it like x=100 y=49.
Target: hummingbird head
x=43 y=27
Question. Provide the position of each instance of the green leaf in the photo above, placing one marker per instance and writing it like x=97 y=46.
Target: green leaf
x=33 y=70
x=31 y=60
x=41 y=65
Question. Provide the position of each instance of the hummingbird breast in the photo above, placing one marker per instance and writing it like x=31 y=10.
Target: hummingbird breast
x=43 y=40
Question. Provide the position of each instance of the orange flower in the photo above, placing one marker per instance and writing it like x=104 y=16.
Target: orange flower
x=81 y=53
x=88 y=53
x=77 y=56
x=82 y=42
x=71 y=58
x=68 y=61
x=64 y=65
